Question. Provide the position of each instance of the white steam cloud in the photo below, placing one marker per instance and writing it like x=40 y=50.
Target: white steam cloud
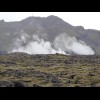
x=71 y=44
x=62 y=44
x=37 y=46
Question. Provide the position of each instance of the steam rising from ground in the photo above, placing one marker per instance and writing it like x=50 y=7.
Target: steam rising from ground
x=71 y=44
x=62 y=44
x=37 y=46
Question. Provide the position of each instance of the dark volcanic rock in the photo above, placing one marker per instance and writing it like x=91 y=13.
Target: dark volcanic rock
x=18 y=84
x=6 y=84
x=11 y=84
x=30 y=70
x=35 y=85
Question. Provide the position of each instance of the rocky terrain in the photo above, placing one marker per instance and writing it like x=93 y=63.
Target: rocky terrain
x=52 y=70
x=48 y=52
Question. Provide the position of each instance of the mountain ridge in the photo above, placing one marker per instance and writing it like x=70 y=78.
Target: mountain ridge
x=46 y=28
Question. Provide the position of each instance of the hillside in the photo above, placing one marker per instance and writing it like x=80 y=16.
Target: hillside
x=52 y=70
x=19 y=34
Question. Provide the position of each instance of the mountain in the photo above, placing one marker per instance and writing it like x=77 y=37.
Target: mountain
x=51 y=30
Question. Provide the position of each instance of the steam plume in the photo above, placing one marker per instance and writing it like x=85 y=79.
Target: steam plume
x=71 y=44
x=62 y=44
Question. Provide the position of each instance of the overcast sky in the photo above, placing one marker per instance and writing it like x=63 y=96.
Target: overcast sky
x=90 y=20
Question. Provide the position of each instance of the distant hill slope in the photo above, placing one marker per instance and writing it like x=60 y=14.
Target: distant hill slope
x=47 y=28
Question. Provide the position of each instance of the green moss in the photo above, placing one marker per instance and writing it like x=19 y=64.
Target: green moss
x=71 y=71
